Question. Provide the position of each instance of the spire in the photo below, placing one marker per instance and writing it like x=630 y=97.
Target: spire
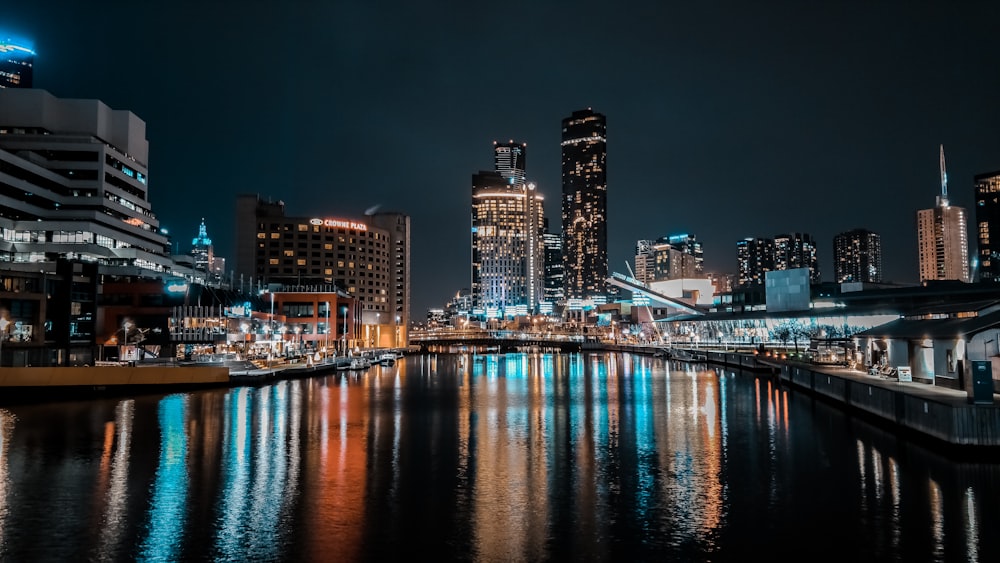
x=943 y=201
x=202 y=239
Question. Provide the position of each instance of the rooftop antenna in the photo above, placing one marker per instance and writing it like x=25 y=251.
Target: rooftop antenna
x=943 y=199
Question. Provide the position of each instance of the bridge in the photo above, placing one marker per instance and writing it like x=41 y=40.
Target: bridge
x=635 y=286
x=513 y=341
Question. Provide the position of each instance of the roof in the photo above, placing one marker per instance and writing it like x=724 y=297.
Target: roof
x=933 y=328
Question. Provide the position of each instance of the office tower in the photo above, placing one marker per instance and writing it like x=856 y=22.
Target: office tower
x=644 y=264
x=690 y=246
x=988 y=224
x=796 y=250
x=508 y=252
x=755 y=257
x=553 y=292
x=584 y=204
x=16 y=62
x=857 y=257
x=368 y=258
x=942 y=238
x=78 y=186
x=201 y=249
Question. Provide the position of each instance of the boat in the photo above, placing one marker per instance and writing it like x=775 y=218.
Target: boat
x=387 y=359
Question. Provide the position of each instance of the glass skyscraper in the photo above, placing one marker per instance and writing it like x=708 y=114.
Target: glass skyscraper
x=584 y=204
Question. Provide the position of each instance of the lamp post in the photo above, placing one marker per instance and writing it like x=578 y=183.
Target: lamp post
x=344 y=333
x=326 y=345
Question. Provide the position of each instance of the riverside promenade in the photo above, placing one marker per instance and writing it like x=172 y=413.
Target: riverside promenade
x=944 y=415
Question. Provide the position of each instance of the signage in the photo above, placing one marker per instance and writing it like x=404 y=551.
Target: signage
x=905 y=373
x=339 y=223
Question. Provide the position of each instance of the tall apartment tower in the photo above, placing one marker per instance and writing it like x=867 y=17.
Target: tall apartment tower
x=857 y=257
x=988 y=224
x=16 y=62
x=755 y=257
x=796 y=250
x=508 y=251
x=942 y=238
x=584 y=204
x=554 y=284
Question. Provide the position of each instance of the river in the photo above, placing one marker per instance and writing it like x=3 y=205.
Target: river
x=512 y=457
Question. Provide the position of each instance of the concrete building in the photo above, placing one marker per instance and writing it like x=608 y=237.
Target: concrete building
x=368 y=258
x=508 y=250
x=857 y=257
x=942 y=238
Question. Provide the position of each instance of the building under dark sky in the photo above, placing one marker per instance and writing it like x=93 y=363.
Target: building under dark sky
x=728 y=118
x=857 y=256
x=987 y=225
x=16 y=62
x=584 y=204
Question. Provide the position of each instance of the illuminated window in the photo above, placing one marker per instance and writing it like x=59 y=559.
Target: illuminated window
x=303 y=227
x=289 y=253
x=260 y=235
x=273 y=261
x=300 y=262
x=275 y=236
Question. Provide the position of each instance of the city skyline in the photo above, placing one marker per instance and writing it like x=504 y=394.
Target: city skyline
x=727 y=121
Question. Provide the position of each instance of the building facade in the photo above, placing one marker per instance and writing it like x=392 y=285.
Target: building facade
x=16 y=65
x=368 y=258
x=857 y=257
x=755 y=257
x=554 y=282
x=942 y=242
x=797 y=250
x=508 y=250
x=584 y=204
x=988 y=225
x=75 y=186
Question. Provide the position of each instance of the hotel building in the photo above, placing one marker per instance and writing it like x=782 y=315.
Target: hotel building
x=988 y=224
x=16 y=65
x=368 y=258
x=508 y=251
x=942 y=242
x=584 y=204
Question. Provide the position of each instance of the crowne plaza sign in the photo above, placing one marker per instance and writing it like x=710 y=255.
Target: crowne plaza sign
x=339 y=223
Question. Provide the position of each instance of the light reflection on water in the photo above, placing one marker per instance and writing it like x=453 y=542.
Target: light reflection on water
x=487 y=457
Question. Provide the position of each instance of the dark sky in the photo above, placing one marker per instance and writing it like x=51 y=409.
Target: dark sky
x=725 y=119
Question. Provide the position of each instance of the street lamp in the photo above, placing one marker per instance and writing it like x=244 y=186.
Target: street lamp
x=344 y=333
x=326 y=345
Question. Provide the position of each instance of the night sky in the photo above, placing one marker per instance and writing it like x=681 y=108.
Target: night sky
x=725 y=119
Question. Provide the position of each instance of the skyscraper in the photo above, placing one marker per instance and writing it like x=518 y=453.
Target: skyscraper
x=988 y=224
x=756 y=258
x=508 y=252
x=201 y=249
x=16 y=62
x=554 y=284
x=584 y=204
x=942 y=238
x=796 y=250
x=857 y=257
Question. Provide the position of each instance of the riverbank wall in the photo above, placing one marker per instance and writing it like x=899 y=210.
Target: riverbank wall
x=943 y=415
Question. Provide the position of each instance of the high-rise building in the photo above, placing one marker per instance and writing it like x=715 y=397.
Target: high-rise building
x=508 y=252
x=76 y=186
x=942 y=238
x=857 y=257
x=796 y=250
x=553 y=266
x=202 y=250
x=755 y=257
x=584 y=204
x=368 y=258
x=988 y=225
x=16 y=62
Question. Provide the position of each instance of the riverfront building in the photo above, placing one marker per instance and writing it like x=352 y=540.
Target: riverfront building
x=857 y=257
x=988 y=225
x=797 y=250
x=508 y=250
x=755 y=257
x=584 y=204
x=368 y=258
x=942 y=238
x=16 y=65
x=554 y=282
